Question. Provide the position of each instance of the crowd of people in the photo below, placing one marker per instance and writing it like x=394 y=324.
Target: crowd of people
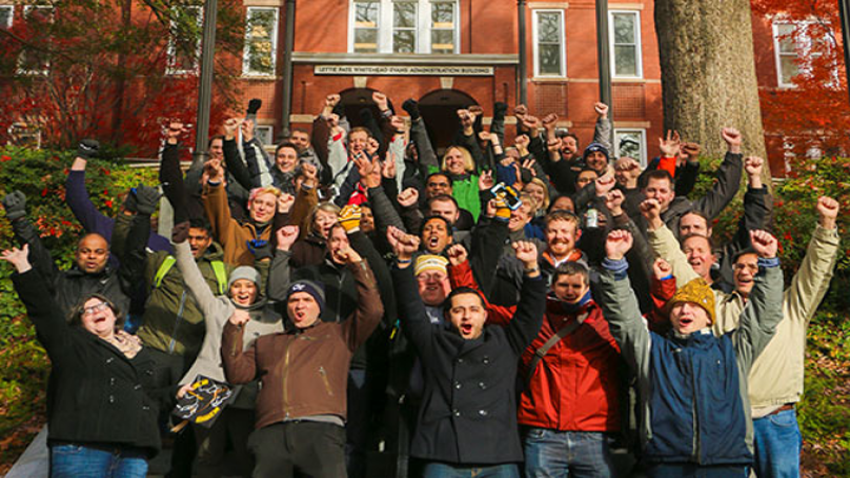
x=502 y=309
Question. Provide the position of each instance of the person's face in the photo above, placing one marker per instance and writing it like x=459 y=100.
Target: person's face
x=687 y=318
x=745 y=270
x=585 y=178
x=700 y=255
x=446 y=209
x=434 y=287
x=263 y=207
x=243 y=292
x=693 y=224
x=337 y=242
x=367 y=220
x=300 y=139
x=569 y=146
x=303 y=310
x=519 y=218
x=217 y=149
x=561 y=237
x=199 y=241
x=92 y=253
x=435 y=236
x=98 y=318
x=467 y=315
x=357 y=141
x=570 y=288
x=564 y=203
x=323 y=221
x=454 y=162
x=536 y=191
x=437 y=185
x=286 y=159
x=660 y=190
x=596 y=161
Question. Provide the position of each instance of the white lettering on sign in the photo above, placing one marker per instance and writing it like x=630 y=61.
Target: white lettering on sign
x=403 y=70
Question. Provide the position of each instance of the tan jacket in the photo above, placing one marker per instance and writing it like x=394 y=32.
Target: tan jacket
x=304 y=373
x=776 y=377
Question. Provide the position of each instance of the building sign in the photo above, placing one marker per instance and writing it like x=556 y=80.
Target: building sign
x=399 y=70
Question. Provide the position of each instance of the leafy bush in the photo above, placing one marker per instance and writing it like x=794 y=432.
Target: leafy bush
x=40 y=175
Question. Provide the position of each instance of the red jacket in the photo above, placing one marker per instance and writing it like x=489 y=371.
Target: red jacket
x=576 y=385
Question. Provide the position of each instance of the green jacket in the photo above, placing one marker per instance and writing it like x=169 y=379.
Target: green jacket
x=465 y=191
x=172 y=321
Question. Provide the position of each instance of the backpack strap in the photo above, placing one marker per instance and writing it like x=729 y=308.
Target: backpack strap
x=554 y=339
x=166 y=266
x=220 y=276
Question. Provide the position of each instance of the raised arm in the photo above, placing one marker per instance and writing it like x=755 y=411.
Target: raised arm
x=764 y=309
x=192 y=277
x=602 y=129
x=728 y=177
x=526 y=322
x=370 y=309
x=232 y=158
x=15 y=204
x=239 y=366
x=460 y=275
x=811 y=282
x=77 y=197
x=664 y=243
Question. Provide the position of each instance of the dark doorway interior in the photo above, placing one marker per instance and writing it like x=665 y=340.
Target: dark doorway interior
x=439 y=111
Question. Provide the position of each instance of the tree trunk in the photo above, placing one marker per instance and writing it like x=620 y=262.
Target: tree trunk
x=708 y=73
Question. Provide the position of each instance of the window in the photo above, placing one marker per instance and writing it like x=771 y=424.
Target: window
x=184 y=42
x=631 y=143
x=795 y=40
x=33 y=62
x=264 y=133
x=549 y=52
x=404 y=26
x=7 y=13
x=625 y=44
x=260 y=42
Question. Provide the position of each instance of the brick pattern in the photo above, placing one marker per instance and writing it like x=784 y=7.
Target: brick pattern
x=629 y=101
x=552 y=98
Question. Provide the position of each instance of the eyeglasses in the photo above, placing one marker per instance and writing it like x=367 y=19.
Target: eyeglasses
x=89 y=311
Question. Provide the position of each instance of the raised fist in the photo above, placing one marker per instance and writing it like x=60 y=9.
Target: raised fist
x=733 y=139
x=764 y=243
x=457 y=254
x=601 y=109
x=618 y=243
x=827 y=212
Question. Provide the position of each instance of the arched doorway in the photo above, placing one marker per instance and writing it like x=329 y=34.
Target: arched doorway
x=355 y=99
x=439 y=111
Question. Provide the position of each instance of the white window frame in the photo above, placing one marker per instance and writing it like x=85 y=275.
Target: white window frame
x=11 y=19
x=20 y=131
x=806 y=50
x=170 y=68
x=46 y=71
x=534 y=32
x=638 y=43
x=246 y=64
x=644 y=159
x=386 y=27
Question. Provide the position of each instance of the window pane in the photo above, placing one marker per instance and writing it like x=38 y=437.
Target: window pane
x=442 y=41
x=549 y=60
x=790 y=69
x=549 y=28
x=366 y=14
x=404 y=41
x=625 y=60
x=259 y=31
x=442 y=15
x=624 y=28
x=629 y=145
x=6 y=16
x=366 y=41
x=404 y=15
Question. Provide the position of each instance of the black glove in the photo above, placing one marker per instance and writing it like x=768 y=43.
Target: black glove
x=499 y=111
x=260 y=248
x=339 y=110
x=254 y=106
x=88 y=149
x=180 y=232
x=412 y=108
x=131 y=203
x=147 y=199
x=15 y=204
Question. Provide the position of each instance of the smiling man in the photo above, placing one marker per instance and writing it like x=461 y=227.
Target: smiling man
x=469 y=370
x=693 y=386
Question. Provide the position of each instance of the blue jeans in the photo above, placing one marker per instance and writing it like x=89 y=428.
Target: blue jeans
x=76 y=461
x=777 y=445
x=443 y=470
x=552 y=453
